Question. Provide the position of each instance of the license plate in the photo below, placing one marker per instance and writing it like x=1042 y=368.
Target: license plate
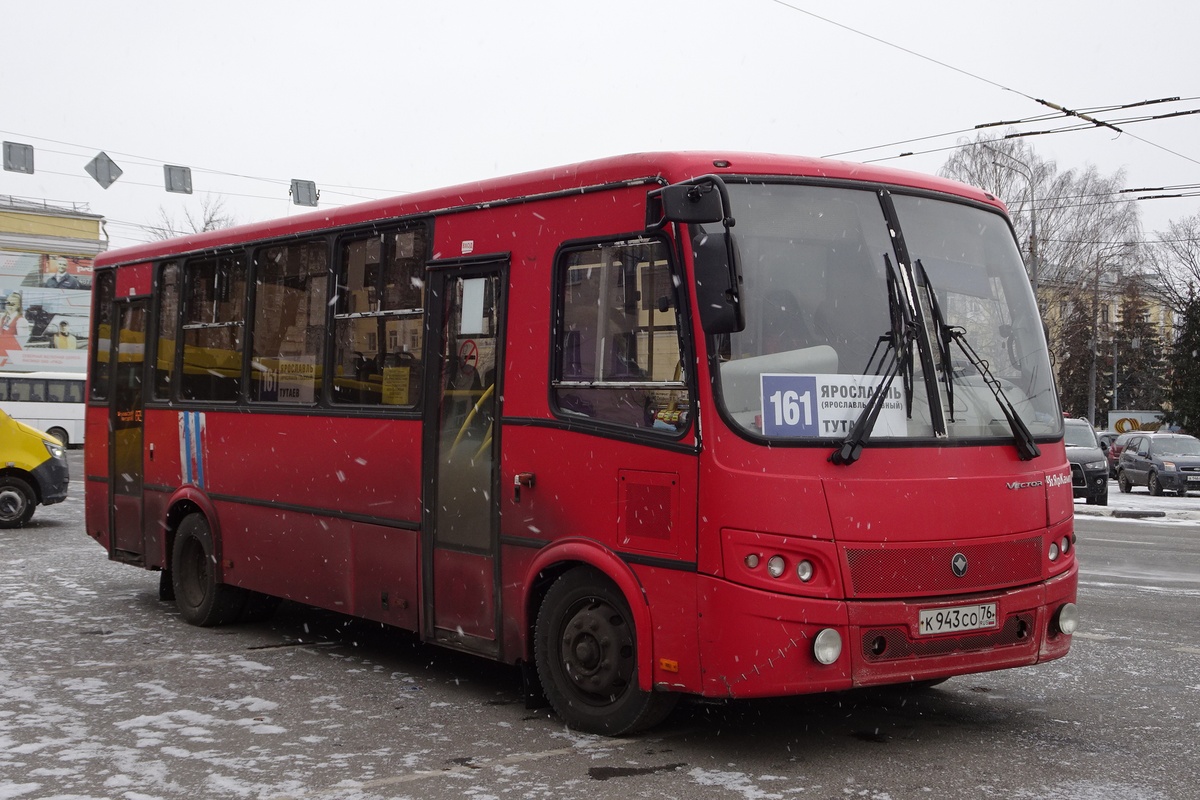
x=1193 y=478
x=960 y=618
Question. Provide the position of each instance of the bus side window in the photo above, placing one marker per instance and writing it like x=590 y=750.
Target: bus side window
x=379 y=319
x=618 y=346
x=288 y=340
x=100 y=339
x=214 y=292
x=168 y=322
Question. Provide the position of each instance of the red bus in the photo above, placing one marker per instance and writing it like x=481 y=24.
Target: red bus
x=721 y=425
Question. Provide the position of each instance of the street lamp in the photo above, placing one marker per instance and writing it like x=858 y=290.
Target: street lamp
x=1026 y=173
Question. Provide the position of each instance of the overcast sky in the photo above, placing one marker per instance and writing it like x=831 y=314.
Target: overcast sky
x=370 y=99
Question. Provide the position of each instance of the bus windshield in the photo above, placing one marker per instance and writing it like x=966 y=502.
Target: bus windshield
x=829 y=299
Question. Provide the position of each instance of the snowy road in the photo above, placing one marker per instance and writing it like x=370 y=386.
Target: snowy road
x=105 y=693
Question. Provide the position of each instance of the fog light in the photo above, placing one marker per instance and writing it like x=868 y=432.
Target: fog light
x=827 y=647
x=804 y=571
x=775 y=566
x=752 y=560
x=1053 y=551
x=1068 y=618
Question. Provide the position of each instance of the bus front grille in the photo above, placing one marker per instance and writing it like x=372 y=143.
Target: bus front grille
x=911 y=571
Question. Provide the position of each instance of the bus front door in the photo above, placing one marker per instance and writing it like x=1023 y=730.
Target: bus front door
x=128 y=541
x=461 y=576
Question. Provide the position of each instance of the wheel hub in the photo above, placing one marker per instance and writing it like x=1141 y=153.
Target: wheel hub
x=11 y=503
x=597 y=650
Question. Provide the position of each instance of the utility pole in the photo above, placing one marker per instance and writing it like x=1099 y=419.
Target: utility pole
x=1091 y=400
x=1101 y=259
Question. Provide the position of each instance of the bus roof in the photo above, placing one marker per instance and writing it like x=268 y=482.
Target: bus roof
x=669 y=167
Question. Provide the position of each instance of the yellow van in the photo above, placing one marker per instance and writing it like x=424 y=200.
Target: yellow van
x=33 y=470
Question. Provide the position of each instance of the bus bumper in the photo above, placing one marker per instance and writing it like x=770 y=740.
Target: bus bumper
x=758 y=644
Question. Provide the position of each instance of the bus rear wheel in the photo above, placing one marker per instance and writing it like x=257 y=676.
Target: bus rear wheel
x=585 y=647
x=17 y=501
x=200 y=598
x=61 y=435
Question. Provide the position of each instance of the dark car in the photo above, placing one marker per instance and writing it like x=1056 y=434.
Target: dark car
x=1114 y=451
x=1160 y=462
x=1089 y=467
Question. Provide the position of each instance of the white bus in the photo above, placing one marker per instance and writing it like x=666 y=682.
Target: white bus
x=49 y=401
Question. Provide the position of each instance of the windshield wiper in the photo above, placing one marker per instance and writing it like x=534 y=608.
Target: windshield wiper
x=944 y=337
x=1027 y=448
x=899 y=346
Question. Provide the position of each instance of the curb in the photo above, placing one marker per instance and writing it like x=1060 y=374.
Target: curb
x=1130 y=513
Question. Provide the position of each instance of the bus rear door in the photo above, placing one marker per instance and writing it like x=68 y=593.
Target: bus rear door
x=128 y=468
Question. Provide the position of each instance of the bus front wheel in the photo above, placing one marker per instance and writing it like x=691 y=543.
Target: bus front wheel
x=61 y=435
x=17 y=502
x=200 y=598
x=585 y=647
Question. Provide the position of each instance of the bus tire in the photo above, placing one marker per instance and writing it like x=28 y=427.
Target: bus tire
x=201 y=600
x=585 y=648
x=17 y=501
x=61 y=435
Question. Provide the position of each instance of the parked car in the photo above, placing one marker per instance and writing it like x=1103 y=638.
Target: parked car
x=1089 y=467
x=1114 y=451
x=1160 y=462
x=34 y=471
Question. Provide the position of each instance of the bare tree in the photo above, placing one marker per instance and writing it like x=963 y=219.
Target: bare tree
x=212 y=216
x=1079 y=215
x=1082 y=235
x=1173 y=258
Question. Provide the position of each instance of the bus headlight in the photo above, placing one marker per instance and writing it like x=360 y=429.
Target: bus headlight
x=775 y=565
x=804 y=571
x=55 y=449
x=827 y=647
x=1067 y=618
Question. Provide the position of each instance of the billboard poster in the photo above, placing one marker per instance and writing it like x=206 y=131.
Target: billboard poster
x=46 y=311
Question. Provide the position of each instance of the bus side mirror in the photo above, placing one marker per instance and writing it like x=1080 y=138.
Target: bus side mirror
x=717 y=272
x=690 y=203
x=718 y=283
